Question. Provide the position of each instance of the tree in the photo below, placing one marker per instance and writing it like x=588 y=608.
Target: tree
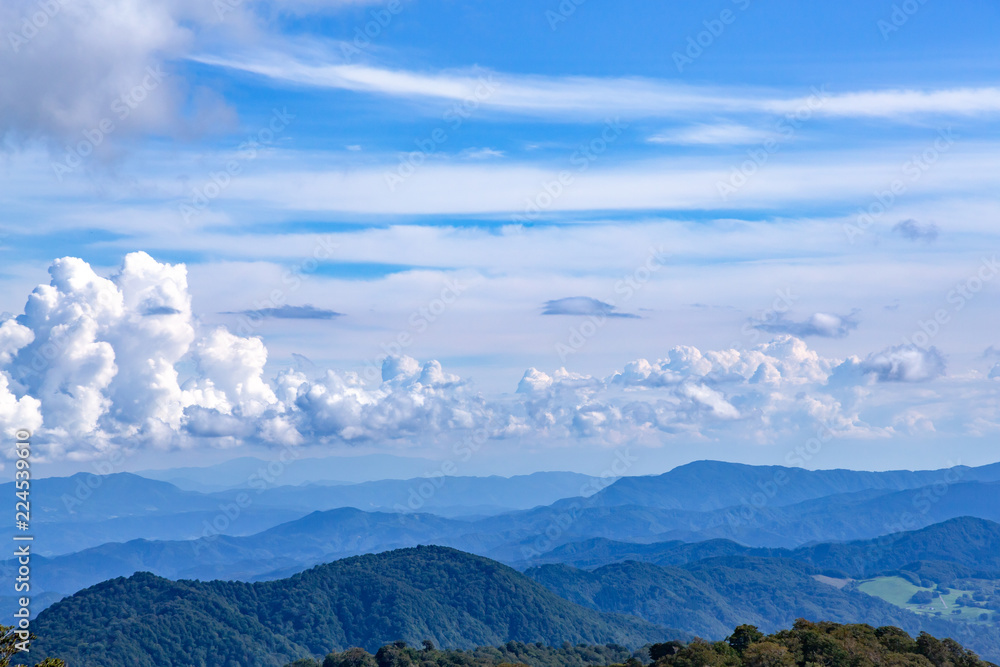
x=767 y=654
x=394 y=656
x=8 y=648
x=657 y=651
x=922 y=597
x=352 y=657
x=895 y=639
x=743 y=636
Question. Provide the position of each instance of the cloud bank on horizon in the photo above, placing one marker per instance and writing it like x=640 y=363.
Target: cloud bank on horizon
x=95 y=364
x=355 y=184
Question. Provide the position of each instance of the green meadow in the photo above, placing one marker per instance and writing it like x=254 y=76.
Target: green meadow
x=898 y=591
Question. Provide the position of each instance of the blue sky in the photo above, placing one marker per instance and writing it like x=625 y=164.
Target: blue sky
x=702 y=230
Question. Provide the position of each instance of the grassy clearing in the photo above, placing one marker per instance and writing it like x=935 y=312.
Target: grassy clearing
x=898 y=591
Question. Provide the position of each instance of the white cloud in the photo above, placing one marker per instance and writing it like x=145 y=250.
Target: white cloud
x=824 y=325
x=97 y=363
x=97 y=67
x=480 y=153
x=722 y=134
x=906 y=363
x=591 y=97
x=293 y=182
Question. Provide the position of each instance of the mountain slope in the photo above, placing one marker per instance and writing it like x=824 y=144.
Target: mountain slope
x=709 y=596
x=734 y=484
x=83 y=511
x=89 y=497
x=293 y=546
x=437 y=494
x=968 y=542
x=452 y=598
x=844 y=517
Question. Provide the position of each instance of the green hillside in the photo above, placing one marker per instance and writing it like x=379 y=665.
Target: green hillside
x=707 y=597
x=963 y=601
x=451 y=598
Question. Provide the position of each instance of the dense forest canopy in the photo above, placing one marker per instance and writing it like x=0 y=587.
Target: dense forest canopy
x=806 y=644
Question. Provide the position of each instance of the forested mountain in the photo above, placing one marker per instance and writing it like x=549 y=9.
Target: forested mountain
x=235 y=473
x=85 y=510
x=517 y=537
x=754 y=505
x=966 y=541
x=290 y=547
x=706 y=597
x=969 y=542
x=734 y=484
x=449 y=597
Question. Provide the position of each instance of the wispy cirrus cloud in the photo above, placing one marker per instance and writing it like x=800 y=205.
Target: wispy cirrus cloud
x=720 y=134
x=595 y=97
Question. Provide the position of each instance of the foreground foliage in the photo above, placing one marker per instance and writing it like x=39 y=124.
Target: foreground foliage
x=9 y=650
x=805 y=645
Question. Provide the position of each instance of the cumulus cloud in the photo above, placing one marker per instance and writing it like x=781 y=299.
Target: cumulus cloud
x=87 y=70
x=916 y=231
x=824 y=325
x=96 y=363
x=306 y=312
x=764 y=393
x=906 y=363
x=583 y=305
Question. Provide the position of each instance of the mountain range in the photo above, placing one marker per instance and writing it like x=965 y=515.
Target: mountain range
x=451 y=598
x=677 y=550
x=86 y=510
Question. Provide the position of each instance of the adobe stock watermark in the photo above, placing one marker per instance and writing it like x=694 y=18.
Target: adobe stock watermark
x=901 y=14
x=759 y=155
x=43 y=355
x=261 y=480
x=31 y=25
x=912 y=170
x=87 y=485
x=561 y=523
x=291 y=280
x=218 y=181
x=958 y=298
x=714 y=28
x=371 y=30
x=581 y=159
x=562 y=13
x=419 y=321
x=431 y=145
x=923 y=501
x=783 y=301
x=462 y=452
x=625 y=289
x=767 y=490
x=121 y=108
